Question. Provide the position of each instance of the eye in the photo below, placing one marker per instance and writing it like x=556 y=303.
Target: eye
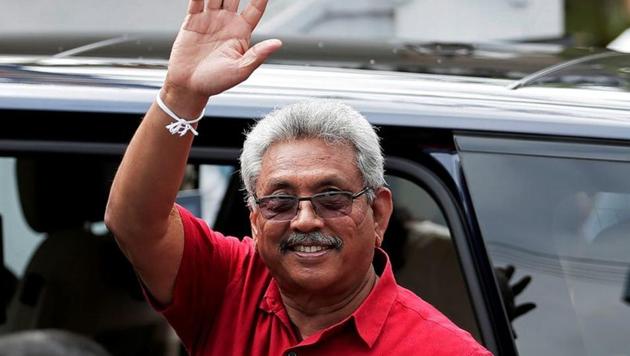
x=278 y=204
x=333 y=200
x=330 y=191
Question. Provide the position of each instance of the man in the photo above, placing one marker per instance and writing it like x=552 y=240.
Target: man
x=312 y=280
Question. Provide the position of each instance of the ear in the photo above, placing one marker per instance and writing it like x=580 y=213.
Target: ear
x=253 y=215
x=382 y=208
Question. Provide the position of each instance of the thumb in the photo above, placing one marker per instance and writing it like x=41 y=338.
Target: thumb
x=258 y=53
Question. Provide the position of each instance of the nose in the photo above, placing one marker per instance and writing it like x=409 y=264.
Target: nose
x=306 y=219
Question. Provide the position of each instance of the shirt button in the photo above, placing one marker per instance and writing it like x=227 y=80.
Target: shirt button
x=292 y=353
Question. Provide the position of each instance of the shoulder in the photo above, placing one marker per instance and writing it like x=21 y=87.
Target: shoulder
x=214 y=260
x=409 y=305
x=199 y=236
x=427 y=328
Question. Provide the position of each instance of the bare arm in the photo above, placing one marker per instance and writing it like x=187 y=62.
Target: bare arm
x=211 y=54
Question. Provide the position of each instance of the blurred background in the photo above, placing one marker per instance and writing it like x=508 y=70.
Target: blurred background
x=574 y=23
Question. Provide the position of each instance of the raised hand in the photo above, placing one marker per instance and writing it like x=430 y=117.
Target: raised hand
x=212 y=51
x=509 y=292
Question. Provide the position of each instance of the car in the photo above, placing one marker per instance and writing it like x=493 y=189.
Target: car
x=509 y=166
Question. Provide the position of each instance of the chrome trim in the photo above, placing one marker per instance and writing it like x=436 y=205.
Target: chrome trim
x=525 y=147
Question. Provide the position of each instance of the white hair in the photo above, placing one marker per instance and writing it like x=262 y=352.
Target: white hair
x=331 y=121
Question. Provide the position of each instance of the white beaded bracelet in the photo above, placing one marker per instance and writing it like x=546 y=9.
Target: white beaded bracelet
x=180 y=126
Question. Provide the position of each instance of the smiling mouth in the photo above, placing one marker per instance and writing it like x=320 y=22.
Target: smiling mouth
x=309 y=249
x=314 y=242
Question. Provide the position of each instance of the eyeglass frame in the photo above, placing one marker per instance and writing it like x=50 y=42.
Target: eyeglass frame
x=298 y=199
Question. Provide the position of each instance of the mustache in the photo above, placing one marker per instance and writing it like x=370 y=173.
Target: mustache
x=310 y=238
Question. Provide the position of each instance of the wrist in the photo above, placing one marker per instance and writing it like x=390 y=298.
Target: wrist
x=184 y=103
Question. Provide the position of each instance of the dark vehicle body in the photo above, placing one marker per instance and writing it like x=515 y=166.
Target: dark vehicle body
x=497 y=157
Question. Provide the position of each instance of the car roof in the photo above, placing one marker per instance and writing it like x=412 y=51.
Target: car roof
x=489 y=59
x=385 y=97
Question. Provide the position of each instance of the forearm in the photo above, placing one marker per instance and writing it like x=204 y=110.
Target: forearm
x=211 y=54
x=147 y=181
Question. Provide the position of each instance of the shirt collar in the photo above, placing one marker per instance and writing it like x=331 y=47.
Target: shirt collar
x=271 y=301
x=371 y=315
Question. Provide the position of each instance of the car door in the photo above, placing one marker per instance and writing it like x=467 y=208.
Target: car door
x=558 y=210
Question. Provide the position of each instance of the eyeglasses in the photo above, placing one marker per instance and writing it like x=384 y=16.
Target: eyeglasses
x=326 y=205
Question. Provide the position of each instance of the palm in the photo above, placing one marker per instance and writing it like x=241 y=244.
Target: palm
x=212 y=50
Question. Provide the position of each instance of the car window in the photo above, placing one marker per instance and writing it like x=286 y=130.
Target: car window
x=19 y=239
x=423 y=256
x=563 y=221
x=203 y=190
x=62 y=268
x=202 y=193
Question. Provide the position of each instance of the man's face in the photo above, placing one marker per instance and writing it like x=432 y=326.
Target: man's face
x=303 y=168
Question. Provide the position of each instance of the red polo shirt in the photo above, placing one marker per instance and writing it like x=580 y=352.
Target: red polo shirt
x=225 y=302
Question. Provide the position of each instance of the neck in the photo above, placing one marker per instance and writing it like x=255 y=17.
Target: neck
x=311 y=312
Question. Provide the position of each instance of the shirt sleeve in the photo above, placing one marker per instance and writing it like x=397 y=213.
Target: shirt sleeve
x=204 y=273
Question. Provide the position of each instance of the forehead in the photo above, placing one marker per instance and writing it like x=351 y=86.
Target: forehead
x=307 y=163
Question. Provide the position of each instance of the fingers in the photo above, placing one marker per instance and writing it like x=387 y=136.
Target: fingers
x=522 y=309
x=230 y=5
x=195 y=6
x=509 y=271
x=256 y=55
x=254 y=11
x=521 y=285
x=213 y=4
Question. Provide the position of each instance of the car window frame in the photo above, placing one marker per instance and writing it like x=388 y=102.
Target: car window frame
x=491 y=321
x=543 y=146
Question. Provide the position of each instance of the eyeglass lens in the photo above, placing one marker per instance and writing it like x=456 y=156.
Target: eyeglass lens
x=326 y=205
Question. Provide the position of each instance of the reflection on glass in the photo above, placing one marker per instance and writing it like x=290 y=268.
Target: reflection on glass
x=565 y=222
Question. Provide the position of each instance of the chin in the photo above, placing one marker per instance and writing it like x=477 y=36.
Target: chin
x=309 y=281
x=314 y=280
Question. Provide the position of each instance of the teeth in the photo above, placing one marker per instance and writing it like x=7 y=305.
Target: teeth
x=308 y=249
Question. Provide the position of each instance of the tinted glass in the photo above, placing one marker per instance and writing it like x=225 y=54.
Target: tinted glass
x=423 y=256
x=17 y=251
x=63 y=270
x=566 y=223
